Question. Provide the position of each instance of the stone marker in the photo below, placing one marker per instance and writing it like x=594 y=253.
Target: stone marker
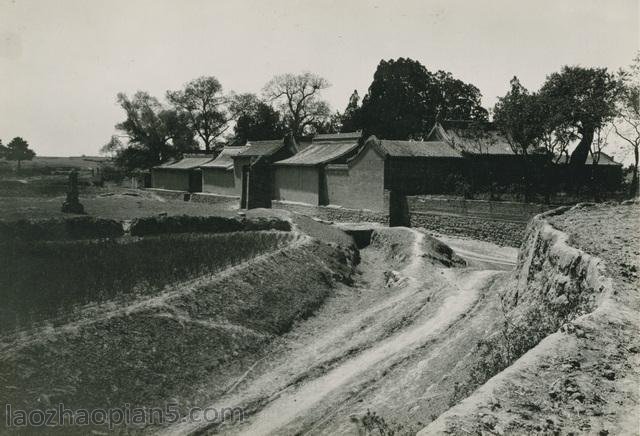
x=72 y=203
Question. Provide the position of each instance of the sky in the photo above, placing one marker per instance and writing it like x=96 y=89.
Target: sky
x=63 y=62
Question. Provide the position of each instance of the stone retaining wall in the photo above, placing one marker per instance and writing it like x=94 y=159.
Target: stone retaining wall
x=502 y=210
x=501 y=232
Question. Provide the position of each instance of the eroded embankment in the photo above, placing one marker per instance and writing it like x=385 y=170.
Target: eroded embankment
x=180 y=346
x=581 y=376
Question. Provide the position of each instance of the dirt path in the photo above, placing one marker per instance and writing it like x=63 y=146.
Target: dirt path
x=338 y=361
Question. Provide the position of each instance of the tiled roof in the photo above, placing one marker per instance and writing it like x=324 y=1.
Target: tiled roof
x=187 y=163
x=604 y=159
x=488 y=142
x=261 y=148
x=320 y=153
x=346 y=136
x=224 y=159
x=418 y=149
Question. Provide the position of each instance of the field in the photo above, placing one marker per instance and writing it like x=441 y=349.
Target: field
x=58 y=162
x=49 y=280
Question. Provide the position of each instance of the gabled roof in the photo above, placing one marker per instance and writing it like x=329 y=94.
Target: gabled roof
x=261 y=148
x=320 y=153
x=484 y=139
x=604 y=159
x=333 y=137
x=224 y=159
x=418 y=149
x=189 y=162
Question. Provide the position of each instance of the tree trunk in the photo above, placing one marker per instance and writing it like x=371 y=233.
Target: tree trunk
x=634 y=179
x=581 y=152
x=579 y=158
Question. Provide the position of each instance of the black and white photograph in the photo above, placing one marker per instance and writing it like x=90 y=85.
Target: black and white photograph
x=328 y=217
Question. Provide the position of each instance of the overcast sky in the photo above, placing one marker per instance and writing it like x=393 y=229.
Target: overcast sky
x=62 y=62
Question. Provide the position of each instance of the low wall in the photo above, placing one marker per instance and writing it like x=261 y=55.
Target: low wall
x=501 y=232
x=502 y=210
x=202 y=197
x=500 y=222
x=169 y=194
x=335 y=214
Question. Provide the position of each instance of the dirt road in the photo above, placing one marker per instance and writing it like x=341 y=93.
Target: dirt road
x=375 y=346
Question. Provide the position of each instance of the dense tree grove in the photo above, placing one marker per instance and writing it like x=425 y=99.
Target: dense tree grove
x=405 y=100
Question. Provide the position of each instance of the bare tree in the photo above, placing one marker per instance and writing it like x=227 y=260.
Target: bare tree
x=297 y=96
x=208 y=109
x=627 y=121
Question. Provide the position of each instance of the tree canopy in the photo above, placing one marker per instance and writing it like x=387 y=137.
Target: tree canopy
x=580 y=100
x=154 y=133
x=17 y=150
x=258 y=121
x=351 y=118
x=405 y=100
x=207 y=110
x=297 y=96
x=518 y=115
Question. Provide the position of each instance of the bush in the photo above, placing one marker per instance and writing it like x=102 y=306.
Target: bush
x=41 y=279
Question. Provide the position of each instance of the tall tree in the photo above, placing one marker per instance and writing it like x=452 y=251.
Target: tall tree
x=627 y=122
x=582 y=99
x=18 y=150
x=258 y=121
x=297 y=96
x=154 y=133
x=351 y=118
x=3 y=149
x=207 y=108
x=518 y=116
x=405 y=99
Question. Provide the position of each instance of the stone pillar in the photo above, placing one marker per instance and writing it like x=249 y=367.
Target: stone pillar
x=72 y=203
